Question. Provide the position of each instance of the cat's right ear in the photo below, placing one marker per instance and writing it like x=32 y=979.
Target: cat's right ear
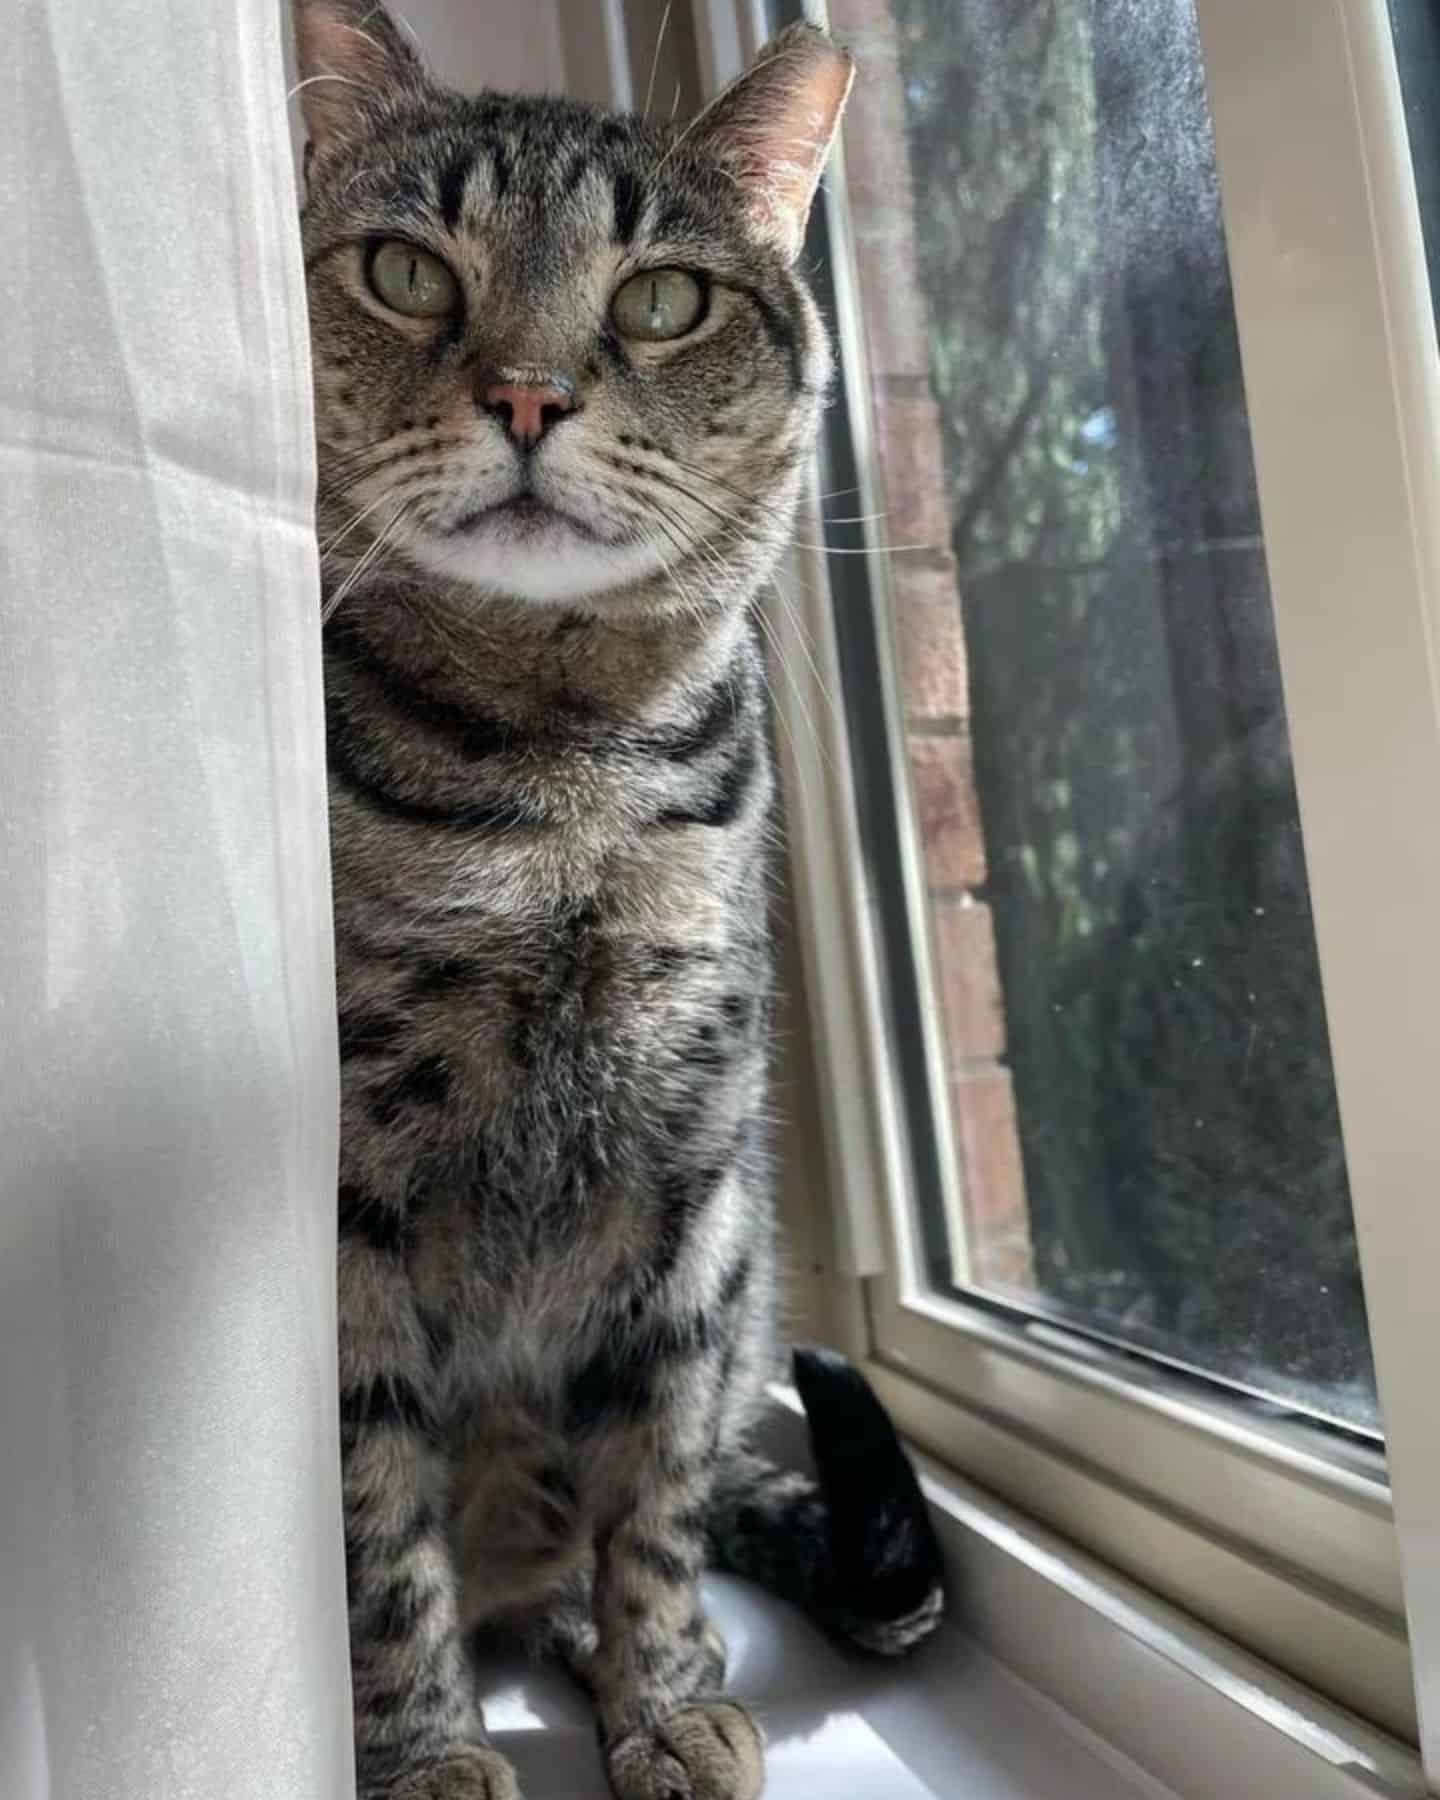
x=352 y=58
x=772 y=127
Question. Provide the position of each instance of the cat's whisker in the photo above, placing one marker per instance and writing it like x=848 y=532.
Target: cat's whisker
x=692 y=545
x=768 y=505
x=677 y=586
x=329 y=546
x=763 y=505
x=405 y=25
x=393 y=443
x=782 y=663
x=798 y=631
x=655 y=60
x=720 y=481
x=681 y=139
x=740 y=526
x=360 y=32
x=700 y=548
x=310 y=81
x=820 y=682
x=368 y=559
x=777 y=712
x=677 y=537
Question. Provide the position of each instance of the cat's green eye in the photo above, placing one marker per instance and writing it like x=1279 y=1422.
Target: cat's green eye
x=660 y=304
x=412 y=281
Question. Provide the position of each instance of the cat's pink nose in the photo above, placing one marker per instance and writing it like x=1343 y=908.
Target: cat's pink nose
x=527 y=409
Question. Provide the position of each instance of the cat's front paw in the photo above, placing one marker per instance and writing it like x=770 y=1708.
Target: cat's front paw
x=710 y=1751
x=475 y=1775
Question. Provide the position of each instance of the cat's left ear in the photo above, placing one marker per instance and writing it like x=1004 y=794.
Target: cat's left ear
x=352 y=58
x=772 y=128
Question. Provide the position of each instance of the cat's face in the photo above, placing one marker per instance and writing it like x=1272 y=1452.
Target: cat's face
x=558 y=353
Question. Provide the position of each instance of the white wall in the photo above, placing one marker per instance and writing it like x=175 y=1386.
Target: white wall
x=513 y=44
x=527 y=46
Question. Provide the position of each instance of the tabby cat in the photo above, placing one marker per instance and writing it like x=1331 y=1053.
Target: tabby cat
x=566 y=380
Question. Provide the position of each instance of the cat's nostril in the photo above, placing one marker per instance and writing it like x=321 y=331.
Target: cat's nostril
x=527 y=409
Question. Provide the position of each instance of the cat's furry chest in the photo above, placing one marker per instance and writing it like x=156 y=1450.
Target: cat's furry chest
x=533 y=1064
x=553 y=973
x=566 y=1072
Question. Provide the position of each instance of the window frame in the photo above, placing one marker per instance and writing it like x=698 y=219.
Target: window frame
x=1364 y=704
x=1271 y=1530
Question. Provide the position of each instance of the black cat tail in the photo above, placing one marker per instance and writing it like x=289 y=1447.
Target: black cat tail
x=854 y=1547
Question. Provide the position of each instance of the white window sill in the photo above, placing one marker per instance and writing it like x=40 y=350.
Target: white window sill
x=1067 y=1682
x=1171 y=1706
x=951 y=1723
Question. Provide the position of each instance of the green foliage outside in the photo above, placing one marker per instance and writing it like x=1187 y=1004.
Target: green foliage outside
x=1181 y=1143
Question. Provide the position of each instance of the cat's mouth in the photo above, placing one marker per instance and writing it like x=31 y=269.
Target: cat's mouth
x=530 y=545
x=522 y=517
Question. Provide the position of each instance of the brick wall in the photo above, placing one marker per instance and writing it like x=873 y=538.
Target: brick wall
x=930 y=648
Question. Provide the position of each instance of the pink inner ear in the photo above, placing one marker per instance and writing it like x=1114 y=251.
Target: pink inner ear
x=774 y=127
x=347 y=52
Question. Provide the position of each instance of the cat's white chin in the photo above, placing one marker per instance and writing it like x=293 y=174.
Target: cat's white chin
x=559 y=563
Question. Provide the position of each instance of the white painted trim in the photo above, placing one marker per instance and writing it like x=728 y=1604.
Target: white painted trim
x=596 y=52
x=617 y=55
x=1343 y=381
x=1220 y=1552
x=727 y=35
x=837 y=573
x=1164 y=1466
x=1204 y=1719
x=864 y=1139
x=865 y=1149
x=1255 y=1526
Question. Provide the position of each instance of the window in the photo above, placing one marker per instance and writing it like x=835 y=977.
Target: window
x=1142 y=1107
x=1126 y=706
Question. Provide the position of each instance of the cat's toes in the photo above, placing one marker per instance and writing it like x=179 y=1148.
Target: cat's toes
x=711 y=1751
x=476 y=1775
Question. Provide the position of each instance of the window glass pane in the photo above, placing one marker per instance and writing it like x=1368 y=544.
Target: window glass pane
x=1417 y=48
x=1141 y=1100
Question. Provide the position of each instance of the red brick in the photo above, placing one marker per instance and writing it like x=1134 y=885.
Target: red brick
x=874 y=120
x=942 y=779
x=912 y=472
x=969 y=982
x=878 y=176
x=897 y=333
x=997 y=1215
x=929 y=638
x=879 y=187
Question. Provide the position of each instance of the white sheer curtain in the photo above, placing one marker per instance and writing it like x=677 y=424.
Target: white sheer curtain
x=171 y=1580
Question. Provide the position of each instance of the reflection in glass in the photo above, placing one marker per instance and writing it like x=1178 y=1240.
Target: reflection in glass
x=1183 y=1167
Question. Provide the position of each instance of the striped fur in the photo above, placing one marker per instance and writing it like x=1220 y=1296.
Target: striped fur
x=551 y=805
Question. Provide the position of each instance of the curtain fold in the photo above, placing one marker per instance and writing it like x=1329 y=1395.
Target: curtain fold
x=172 y=1619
